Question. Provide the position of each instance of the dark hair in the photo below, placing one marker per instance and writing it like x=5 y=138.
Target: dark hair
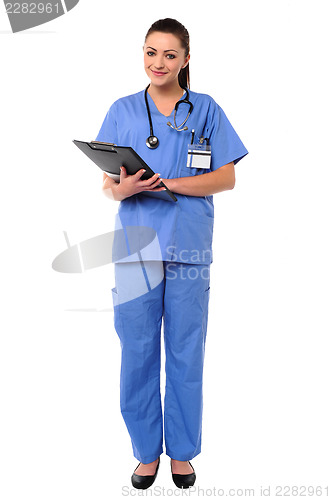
x=173 y=26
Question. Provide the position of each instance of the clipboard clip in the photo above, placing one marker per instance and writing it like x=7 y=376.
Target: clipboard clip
x=102 y=146
x=99 y=142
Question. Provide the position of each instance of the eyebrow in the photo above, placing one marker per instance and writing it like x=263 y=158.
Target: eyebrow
x=168 y=50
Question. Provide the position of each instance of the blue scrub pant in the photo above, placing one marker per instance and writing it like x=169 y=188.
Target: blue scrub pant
x=178 y=293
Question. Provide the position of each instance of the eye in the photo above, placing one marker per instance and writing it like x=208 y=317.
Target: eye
x=150 y=53
x=170 y=56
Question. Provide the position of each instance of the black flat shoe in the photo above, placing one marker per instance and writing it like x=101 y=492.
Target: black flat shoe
x=184 y=480
x=144 y=482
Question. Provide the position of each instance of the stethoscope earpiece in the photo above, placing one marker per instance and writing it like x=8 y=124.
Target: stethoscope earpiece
x=178 y=129
x=152 y=141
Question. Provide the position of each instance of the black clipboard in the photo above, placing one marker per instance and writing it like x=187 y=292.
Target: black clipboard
x=109 y=158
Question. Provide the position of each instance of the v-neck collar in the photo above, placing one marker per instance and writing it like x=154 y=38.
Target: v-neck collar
x=160 y=116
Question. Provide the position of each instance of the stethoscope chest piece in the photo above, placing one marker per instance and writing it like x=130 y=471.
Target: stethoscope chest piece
x=152 y=142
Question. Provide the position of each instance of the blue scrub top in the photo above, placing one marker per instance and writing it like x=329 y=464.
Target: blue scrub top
x=185 y=227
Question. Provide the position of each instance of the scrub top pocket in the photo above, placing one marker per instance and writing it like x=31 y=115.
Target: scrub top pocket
x=194 y=241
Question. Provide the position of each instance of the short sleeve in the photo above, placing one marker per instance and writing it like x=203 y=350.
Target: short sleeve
x=108 y=131
x=226 y=145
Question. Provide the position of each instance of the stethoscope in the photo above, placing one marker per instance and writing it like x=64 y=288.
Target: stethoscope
x=152 y=141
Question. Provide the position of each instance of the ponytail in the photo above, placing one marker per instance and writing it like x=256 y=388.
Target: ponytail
x=184 y=79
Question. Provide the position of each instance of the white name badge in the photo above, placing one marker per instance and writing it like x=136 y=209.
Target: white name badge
x=199 y=156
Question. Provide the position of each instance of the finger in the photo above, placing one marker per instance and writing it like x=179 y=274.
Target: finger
x=123 y=173
x=153 y=179
x=139 y=174
x=156 y=189
x=154 y=185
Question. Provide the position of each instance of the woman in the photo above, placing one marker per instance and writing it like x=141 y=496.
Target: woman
x=201 y=137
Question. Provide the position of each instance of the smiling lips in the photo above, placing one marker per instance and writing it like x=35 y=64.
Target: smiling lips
x=158 y=73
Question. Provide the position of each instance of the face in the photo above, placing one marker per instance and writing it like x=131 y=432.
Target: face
x=164 y=57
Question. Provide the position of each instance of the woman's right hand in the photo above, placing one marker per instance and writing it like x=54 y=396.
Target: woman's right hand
x=129 y=184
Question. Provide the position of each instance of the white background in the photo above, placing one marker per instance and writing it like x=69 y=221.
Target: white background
x=267 y=389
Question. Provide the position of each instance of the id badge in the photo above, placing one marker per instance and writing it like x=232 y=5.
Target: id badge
x=199 y=156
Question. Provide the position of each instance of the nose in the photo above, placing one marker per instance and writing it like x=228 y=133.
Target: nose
x=159 y=62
